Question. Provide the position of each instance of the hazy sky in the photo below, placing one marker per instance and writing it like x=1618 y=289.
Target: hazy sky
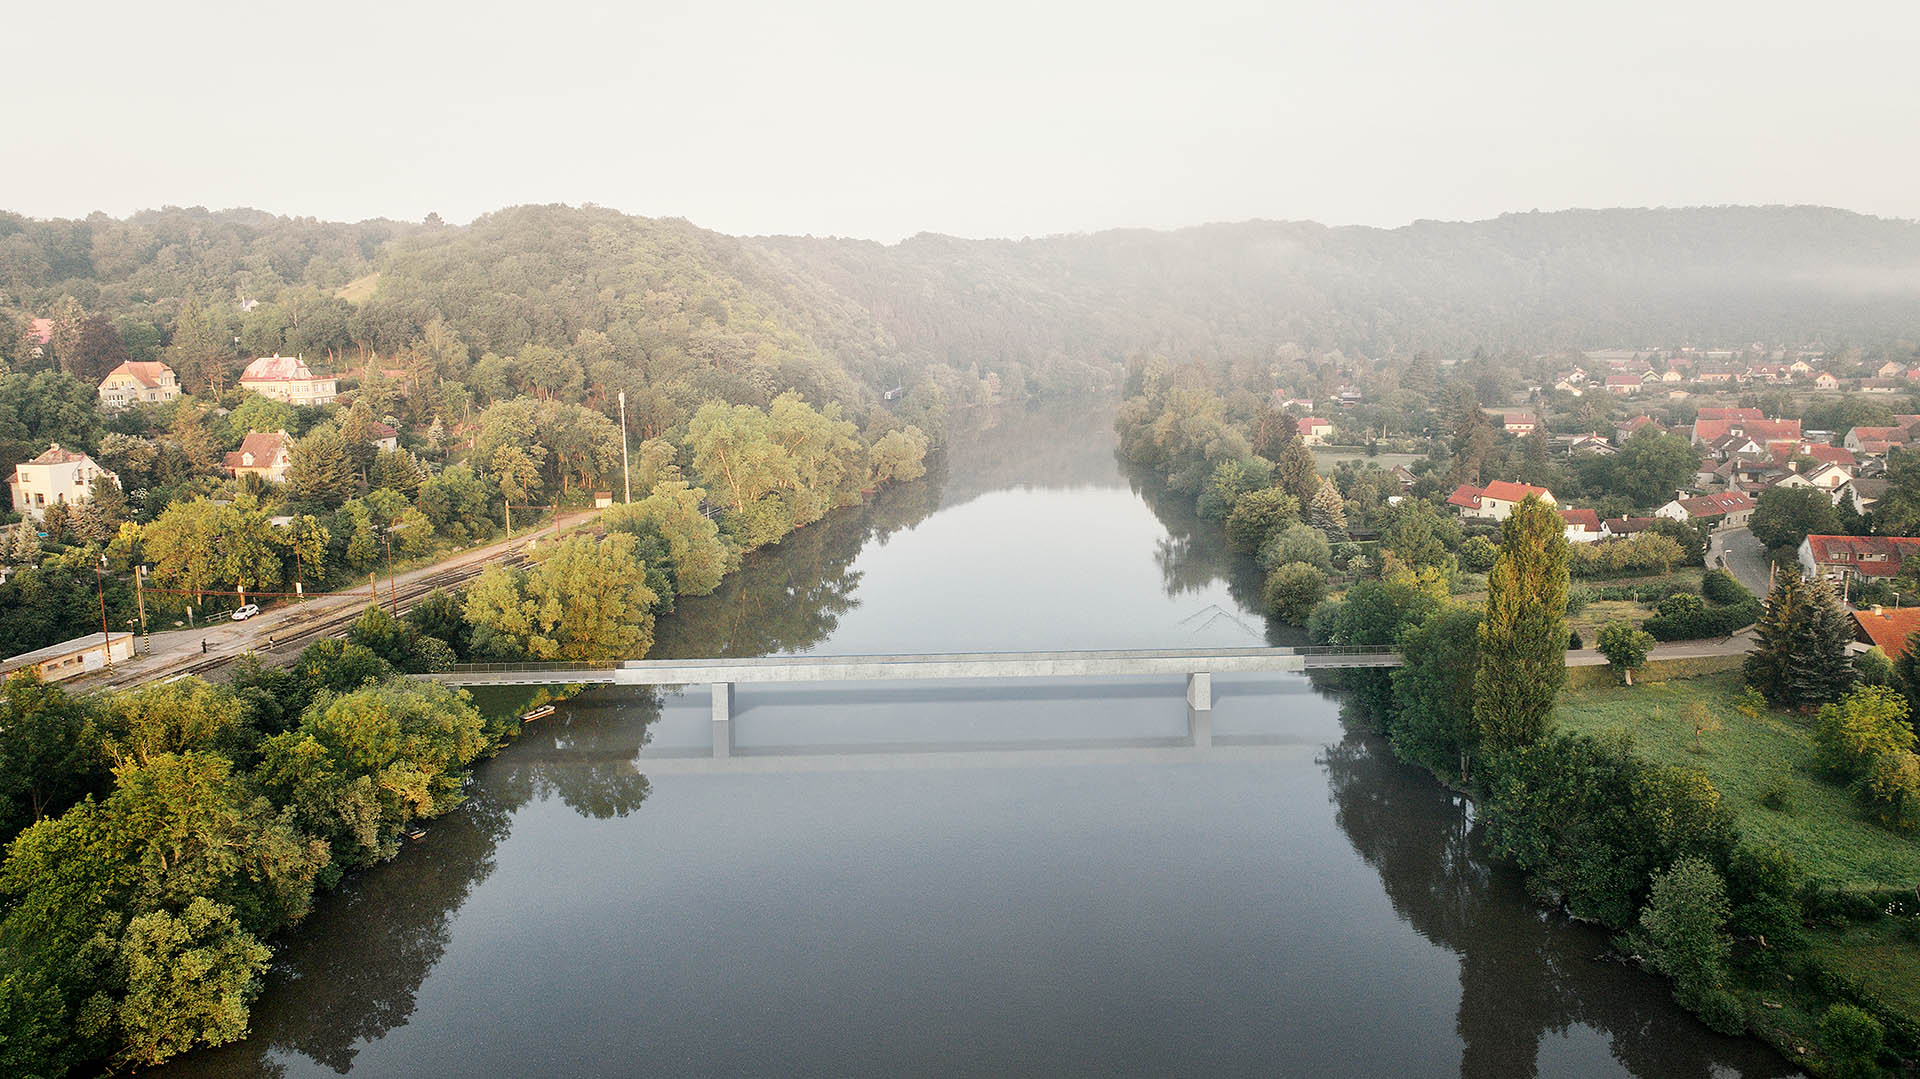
x=982 y=118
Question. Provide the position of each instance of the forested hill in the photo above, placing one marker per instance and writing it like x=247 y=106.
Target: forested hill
x=1522 y=283
x=677 y=314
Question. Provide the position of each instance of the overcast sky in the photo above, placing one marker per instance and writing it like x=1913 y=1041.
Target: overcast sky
x=983 y=118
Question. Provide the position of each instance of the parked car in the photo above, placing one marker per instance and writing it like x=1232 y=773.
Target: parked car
x=245 y=611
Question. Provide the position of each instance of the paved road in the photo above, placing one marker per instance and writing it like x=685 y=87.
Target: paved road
x=1737 y=645
x=1745 y=558
x=181 y=650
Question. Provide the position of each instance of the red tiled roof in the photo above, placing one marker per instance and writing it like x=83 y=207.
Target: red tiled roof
x=263 y=445
x=1889 y=629
x=1874 y=434
x=1885 y=554
x=1716 y=413
x=1715 y=505
x=1512 y=492
x=54 y=455
x=1585 y=519
x=145 y=372
x=1466 y=496
x=1767 y=430
x=275 y=369
x=1308 y=423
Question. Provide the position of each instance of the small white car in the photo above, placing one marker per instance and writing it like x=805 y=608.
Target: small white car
x=246 y=611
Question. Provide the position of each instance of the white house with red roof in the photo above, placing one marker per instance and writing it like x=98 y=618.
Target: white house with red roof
x=1583 y=526
x=287 y=378
x=1624 y=385
x=56 y=476
x=1876 y=557
x=1315 y=431
x=138 y=383
x=1495 y=501
x=1729 y=508
x=1519 y=423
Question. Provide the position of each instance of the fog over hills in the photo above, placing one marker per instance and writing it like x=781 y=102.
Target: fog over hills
x=829 y=314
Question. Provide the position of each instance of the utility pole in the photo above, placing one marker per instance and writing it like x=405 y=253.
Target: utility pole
x=100 y=583
x=140 y=594
x=625 y=476
x=393 y=594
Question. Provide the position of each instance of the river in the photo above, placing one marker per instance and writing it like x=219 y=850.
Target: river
x=962 y=879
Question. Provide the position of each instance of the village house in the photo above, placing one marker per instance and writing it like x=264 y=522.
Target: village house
x=383 y=436
x=56 y=476
x=1882 y=385
x=1729 y=509
x=1583 y=526
x=1623 y=385
x=1863 y=492
x=1495 y=501
x=1519 y=423
x=1890 y=369
x=1874 y=441
x=134 y=383
x=264 y=454
x=1626 y=526
x=1887 y=628
x=1825 y=381
x=1315 y=431
x=1839 y=557
x=286 y=378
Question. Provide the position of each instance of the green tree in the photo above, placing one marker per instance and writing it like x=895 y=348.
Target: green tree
x=1650 y=466
x=1433 y=692
x=1625 y=647
x=700 y=558
x=517 y=470
x=49 y=752
x=1420 y=537
x=1295 y=472
x=1297 y=542
x=1258 y=514
x=189 y=978
x=1683 y=934
x=1292 y=591
x=1786 y=515
x=1799 y=658
x=583 y=600
x=1327 y=511
x=321 y=471
x=1523 y=638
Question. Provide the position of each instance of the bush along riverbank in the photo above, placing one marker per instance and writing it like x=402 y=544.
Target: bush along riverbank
x=1746 y=843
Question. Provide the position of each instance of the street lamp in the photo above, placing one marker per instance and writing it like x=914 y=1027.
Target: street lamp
x=626 y=477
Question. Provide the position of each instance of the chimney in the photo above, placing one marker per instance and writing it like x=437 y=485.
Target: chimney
x=1878 y=611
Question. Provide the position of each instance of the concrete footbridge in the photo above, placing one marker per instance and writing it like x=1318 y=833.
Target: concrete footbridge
x=1197 y=665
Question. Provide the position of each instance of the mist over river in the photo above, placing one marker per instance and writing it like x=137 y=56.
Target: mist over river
x=971 y=878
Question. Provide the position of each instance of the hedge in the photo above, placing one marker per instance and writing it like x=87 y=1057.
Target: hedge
x=1711 y=622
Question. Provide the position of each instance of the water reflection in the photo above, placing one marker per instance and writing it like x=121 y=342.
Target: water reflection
x=1521 y=977
x=1032 y=878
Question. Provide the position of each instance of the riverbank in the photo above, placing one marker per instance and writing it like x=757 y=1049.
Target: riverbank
x=1861 y=926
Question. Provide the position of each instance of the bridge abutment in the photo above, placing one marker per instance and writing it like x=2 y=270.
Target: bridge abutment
x=1200 y=691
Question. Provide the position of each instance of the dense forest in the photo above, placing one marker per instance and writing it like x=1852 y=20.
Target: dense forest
x=677 y=314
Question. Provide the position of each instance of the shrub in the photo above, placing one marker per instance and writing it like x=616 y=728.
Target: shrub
x=1852 y=1040
x=1574 y=643
x=1723 y=588
x=1478 y=554
x=1293 y=590
x=1700 y=622
x=1577 y=598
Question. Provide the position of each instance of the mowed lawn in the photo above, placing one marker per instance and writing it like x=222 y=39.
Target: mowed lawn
x=1820 y=824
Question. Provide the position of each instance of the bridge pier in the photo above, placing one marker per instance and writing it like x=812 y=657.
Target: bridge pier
x=1199 y=691
x=723 y=719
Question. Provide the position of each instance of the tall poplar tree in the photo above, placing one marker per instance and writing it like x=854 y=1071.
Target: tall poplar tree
x=1523 y=639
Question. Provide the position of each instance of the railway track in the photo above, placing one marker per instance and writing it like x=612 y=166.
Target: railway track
x=330 y=619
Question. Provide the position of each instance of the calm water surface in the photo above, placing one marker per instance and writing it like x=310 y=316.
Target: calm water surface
x=967 y=878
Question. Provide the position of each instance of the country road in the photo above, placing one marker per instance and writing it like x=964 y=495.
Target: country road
x=1745 y=558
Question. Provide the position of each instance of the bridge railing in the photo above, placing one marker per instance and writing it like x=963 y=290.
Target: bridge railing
x=1314 y=650
x=527 y=668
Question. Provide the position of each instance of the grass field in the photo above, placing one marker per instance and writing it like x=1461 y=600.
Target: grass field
x=1328 y=456
x=1819 y=824
x=360 y=289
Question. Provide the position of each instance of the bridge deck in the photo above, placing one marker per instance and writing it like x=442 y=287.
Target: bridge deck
x=760 y=669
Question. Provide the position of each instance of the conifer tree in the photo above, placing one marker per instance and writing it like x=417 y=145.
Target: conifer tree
x=1523 y=638
x=1799 y=659
x=1328 y=511
x=1293 y=472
